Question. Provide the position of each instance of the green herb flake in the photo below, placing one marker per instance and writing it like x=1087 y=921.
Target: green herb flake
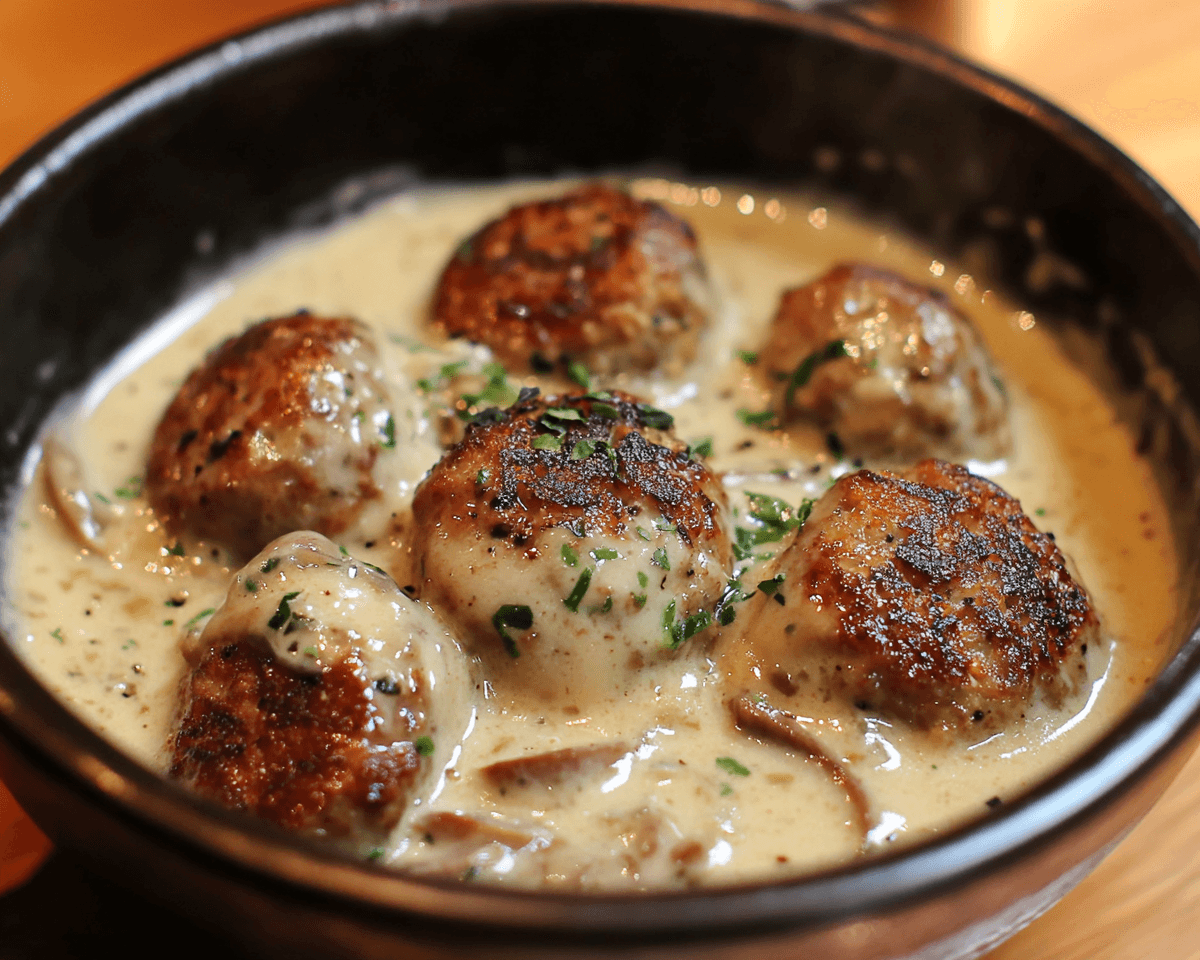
x=660 y=559
x=271 y=564
x=177 y=550
x=389 y=433
x=547 y=441
x=726 y=789
x=130 y=489
x=604 y=553
x=756 y=418
x=56 y=633
x=668 y=624
x=168 y=623
x=1040 y=511
x=563 y=413
x=375 y=854
x=201 y=615
x=748 y=357
x=729 y=765
x=641 y=532
x=579 y=373
x=666 y=526
x=571 y=602
x=312 y=652
x=424 y=746
x=804 y=370
x=482 y=477
x=101 y=497
x=639 y=600
x=583 y=449
x=654 y=418
x=604 y=607
x=409 y=344
x=701 y=448
x=251 y=585
x=569 y=556
x=283 y=613
x=642 y=579
x=516 y=617
x=606 y=410
x=343 y=551
x=771 y=587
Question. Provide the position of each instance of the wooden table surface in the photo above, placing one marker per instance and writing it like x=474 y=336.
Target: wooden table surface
x=1130 y=70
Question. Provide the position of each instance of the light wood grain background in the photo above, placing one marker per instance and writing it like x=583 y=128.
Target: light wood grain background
x=1129 y=69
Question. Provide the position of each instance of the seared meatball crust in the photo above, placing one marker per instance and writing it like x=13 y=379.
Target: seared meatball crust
x=304 y=751
x=587 y=512
x=890 y=367
x=594 y=275
x=278 y=430
x=317 y=693
x=930 y=597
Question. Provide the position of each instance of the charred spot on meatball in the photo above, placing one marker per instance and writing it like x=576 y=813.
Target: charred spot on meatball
x=572 y=540
x=929 y=597
x=278 y=430
x=594 y=275
x=886 y=366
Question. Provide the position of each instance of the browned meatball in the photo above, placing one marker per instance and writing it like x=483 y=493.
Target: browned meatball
x=571 y=540
x=888 y=366
x=278 y=430
x=310 y=701
x=928 y=596
x=594 y=275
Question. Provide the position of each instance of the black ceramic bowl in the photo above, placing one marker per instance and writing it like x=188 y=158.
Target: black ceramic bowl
x=159 y=187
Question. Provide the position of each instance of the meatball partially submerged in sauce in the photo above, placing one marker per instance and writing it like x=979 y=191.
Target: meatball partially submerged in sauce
x=278 y=430
x=928 y=596
x=319 y=696
x=571 y=541
x=888 y=366
x=594 y=275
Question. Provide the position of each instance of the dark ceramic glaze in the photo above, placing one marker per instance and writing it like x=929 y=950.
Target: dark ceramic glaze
x=159 y=187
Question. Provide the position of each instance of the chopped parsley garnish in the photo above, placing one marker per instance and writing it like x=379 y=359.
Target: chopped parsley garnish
x=579 y=373
x=131 y=488
x=1040 y=511
x=726 y=789
x=101 y=497
x=606 y=410
x=604 y=607
x=660 y=559
x=283 y=613
x=759 y=418
x=654 y=418
x=804 y=369
x=547 y=441
x=729 y=765
x=666 y=526
x=482 y=477
x=642 y=579
x=409 y=344
x=312 y=652
x=747 y=356
x=175 y=602
x=567 y=414
x=641 y=532
x=496 y=392
x=701 y=448
x=343 y=551
x=571 y=602
x=200 y=616
x=569 y=556
x=271 y=564
x=771 y=587
x=56 y=633
x=639 y=599
x=604 y=553
x=389 y=433
x=387 y=686
x=177 y=550
x=733 y=593
x=834 y=443
x=251 y=585
x=375 y=854
x=516 y=617
x=168 y=623
x=776 y=517
x=583 y=449
x=424 y=745
x=447 y=372
x=683 y=630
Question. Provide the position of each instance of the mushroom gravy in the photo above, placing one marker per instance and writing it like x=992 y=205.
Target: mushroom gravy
x=659 y=789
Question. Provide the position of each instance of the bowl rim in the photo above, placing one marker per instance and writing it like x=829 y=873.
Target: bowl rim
x=43 y=731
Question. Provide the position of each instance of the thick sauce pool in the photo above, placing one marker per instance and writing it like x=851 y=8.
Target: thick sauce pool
x=677 y=795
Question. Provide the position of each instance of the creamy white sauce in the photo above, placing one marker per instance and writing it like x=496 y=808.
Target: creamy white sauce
x=689 y=799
